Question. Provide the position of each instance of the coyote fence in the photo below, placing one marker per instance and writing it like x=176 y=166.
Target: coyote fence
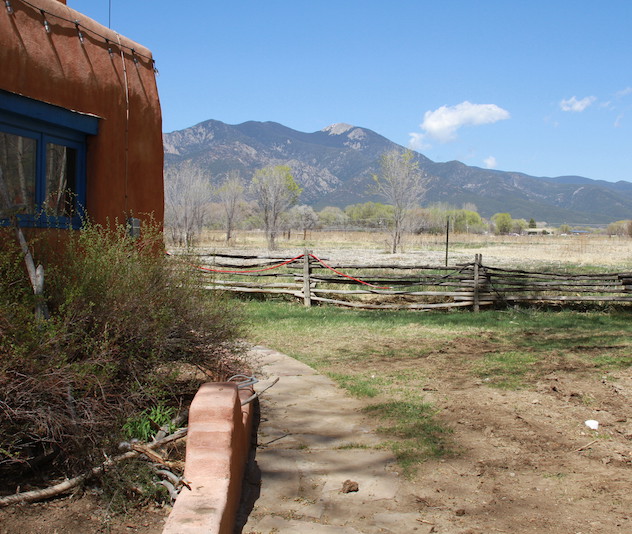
x=415 y=287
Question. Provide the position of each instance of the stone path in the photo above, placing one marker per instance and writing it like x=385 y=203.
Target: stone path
x=313 y=438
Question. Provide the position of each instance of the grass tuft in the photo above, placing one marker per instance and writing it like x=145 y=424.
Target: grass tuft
x=420 y=435
x=358 y=386
x=506 y=370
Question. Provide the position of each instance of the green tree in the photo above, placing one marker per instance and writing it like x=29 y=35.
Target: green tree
x=518 y=226
x=433 y=219
x=502 y=222
x=369 y=214
x=400 y=183
x=465 y=221
x=532 y=223
x=275 y=191
x=332 y=216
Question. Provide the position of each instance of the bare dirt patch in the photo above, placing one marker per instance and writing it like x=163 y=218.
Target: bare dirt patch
x=82 y=514
x=524 y=459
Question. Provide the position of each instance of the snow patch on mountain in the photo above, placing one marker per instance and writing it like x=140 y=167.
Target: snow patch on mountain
x=338 y=129
x=358 y=133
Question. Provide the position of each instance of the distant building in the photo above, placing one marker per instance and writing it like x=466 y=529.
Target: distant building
x=80 y=120
x=538 y=231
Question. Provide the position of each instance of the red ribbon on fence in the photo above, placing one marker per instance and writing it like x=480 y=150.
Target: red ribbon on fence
x=347 y=275
x=248 y=271
x=339 y=273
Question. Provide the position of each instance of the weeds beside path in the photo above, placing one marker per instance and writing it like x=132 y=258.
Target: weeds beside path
x=130 y=336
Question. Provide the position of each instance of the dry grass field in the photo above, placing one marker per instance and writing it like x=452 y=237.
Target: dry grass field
x=529 y=252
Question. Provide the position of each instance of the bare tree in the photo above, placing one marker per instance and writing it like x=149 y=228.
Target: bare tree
x=187 y=195
x=275 y=191
x=304 y=218
x=401 y=185
x=231 y=197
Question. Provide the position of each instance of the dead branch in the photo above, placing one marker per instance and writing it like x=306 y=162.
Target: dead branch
x=587 y=445
x=66 y=485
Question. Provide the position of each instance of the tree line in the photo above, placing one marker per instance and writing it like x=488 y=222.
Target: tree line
x=270 y=201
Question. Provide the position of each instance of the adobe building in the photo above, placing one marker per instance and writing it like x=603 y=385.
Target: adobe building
x=80 y=120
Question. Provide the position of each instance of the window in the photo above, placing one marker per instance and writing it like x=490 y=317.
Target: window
x=42 y=162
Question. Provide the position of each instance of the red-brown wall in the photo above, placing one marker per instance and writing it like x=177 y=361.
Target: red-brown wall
x=125 y=158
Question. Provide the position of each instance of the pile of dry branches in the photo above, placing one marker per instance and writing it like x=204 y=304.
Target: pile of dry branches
x=127 y=329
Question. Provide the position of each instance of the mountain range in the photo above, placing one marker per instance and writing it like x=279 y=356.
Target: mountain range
x=335 y=166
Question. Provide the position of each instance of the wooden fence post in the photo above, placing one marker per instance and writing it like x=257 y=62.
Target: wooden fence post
x=447 y=239
x=477 y=263
x=307 y=294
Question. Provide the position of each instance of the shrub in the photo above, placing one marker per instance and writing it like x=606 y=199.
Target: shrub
x=145 y=425
x=128 y=326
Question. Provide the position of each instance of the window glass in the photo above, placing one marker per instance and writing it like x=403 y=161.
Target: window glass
x=60 y=194
x=42 y=162
x=18 y=168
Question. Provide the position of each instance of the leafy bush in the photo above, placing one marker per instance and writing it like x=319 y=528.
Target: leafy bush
x=145 y=425
x=129 y=328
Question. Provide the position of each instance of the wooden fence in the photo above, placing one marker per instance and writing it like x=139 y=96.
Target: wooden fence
x=416 y=287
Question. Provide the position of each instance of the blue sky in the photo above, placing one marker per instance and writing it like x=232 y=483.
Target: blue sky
x=541 y=87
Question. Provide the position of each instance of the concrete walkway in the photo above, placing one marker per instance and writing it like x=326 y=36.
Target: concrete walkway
x=312 y=438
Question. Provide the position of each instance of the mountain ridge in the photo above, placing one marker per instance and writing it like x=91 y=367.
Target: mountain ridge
x=335 y=166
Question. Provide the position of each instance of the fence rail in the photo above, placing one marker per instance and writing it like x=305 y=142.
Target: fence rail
x=419 y=287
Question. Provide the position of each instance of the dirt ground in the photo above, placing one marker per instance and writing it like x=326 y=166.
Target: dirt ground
x=82 y=514
x=526 y=461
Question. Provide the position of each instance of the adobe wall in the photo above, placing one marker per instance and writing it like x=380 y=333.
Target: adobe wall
x=218 y=447
x=125 y=159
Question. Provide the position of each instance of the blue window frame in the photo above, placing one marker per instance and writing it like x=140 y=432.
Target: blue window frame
x=42 y=162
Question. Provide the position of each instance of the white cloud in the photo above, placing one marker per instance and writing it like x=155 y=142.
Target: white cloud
x=624 y=92
x=576 y=106
x=490 y=162
x=443 y=123
x=618 y=120
x=417 y=141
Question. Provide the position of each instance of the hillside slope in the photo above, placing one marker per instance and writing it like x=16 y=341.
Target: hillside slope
x=334 y=166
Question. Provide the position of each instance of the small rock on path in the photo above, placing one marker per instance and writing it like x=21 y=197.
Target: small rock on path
x=313 y=438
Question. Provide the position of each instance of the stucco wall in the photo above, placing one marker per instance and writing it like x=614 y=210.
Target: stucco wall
x=125 y=159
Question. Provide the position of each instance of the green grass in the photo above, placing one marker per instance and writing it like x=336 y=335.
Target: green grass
x=389 y=358
x=145 y=425
x=613 y=361
x=419 y=432
x=358 y=386
x=506 y=370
